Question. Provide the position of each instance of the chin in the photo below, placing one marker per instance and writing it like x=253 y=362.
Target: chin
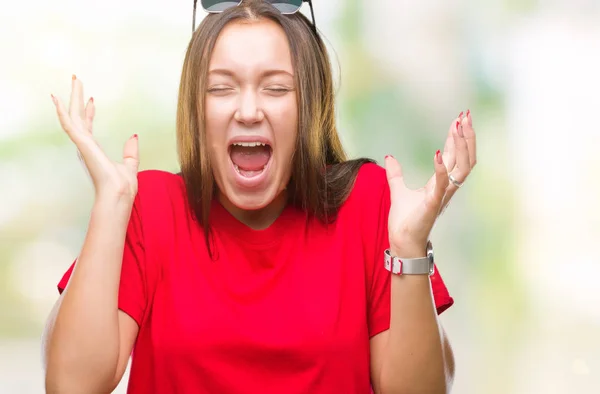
x=251 y=201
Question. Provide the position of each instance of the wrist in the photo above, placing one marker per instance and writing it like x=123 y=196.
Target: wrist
x=409 y=250
x=118 y=209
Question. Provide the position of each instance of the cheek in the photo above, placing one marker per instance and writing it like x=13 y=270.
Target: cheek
x=284 y=121
x=217 y=118
x=216 y=112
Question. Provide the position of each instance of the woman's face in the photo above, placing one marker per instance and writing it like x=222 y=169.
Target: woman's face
x=251 y=113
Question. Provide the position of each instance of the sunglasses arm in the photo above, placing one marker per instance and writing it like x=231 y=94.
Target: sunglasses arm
x=312 y=14
x=194 y=18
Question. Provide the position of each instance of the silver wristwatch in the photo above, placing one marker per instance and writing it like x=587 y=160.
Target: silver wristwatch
x=418 y=266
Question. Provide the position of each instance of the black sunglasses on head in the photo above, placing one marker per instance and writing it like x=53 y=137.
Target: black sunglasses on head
x=284 y=6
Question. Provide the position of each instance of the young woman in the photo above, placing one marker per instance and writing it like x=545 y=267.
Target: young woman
x=271 y=264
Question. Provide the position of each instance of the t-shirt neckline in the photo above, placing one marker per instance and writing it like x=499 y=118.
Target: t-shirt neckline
x=223 y=220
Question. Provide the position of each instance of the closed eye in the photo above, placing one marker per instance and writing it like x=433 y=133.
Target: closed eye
x=278 y=90
x=219 y=90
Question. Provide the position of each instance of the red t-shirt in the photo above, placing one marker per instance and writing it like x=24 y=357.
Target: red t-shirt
x=289 y=309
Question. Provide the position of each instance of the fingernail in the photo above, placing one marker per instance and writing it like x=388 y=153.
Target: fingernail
x=458 y=129
x=438 y=157
x=460 y=115
x=74 y=77
x=135 y=136
x=469 y=118
x=91 y=99
x=386 y=156
x=53 y=98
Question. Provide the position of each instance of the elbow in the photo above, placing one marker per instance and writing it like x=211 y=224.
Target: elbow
x=393 y=388
x=63 y=377
x=435 y=381
x=64 y=384
x=53 y=385
x=67 y=370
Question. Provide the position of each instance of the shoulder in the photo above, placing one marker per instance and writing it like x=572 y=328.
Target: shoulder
x=152 y=179
x=158 y=188
x=151 y=182
x=370 y=184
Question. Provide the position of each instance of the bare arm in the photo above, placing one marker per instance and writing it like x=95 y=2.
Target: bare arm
x=88 y=341
x=414 y=355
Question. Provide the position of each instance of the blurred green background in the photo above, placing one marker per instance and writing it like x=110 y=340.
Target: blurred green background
x=518 y=247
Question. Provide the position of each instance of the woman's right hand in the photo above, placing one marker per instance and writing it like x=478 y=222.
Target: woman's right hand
x=111 y=179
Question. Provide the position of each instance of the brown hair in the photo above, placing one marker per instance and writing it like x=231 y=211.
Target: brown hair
x=322 y=177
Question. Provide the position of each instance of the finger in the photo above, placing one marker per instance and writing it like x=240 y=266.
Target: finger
x=63 y=117
x=395 y=177
x=90 y=112
x=131 y=153
x=463 y=166
x=84 y=143
x=449 y=155
x=469 y=133
x=76 y=104
x=440 y=185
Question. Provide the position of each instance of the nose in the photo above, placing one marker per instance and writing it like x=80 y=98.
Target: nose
x=249 y=111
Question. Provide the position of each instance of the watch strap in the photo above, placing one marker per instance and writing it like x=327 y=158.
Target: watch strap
x=414 y=266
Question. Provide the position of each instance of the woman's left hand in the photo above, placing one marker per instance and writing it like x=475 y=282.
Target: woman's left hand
x=414 y=212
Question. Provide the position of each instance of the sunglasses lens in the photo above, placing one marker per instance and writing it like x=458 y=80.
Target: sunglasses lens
x=218 y=5
x=286 y=6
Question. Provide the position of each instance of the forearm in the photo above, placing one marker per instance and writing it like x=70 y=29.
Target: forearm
x=83 y=341
x=414 y=361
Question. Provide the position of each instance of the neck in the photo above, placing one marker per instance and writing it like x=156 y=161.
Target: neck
x=258 y=219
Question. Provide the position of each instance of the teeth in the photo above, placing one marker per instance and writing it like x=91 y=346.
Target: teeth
x=249 y=144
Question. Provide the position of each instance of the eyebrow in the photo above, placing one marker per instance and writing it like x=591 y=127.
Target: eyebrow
x=268 y=73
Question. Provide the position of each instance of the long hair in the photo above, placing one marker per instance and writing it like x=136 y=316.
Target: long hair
x=322 y=177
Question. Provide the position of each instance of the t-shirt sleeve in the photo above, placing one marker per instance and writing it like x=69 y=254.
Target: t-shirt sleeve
x=379 y=285
x=132 y=286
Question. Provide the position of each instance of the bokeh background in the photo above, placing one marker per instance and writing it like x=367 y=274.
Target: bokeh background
x=519 y=245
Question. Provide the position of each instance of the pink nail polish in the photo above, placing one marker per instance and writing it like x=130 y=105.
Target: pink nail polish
x=135 y=136
x=460 y=115
x=91 y=99
x=438 y=157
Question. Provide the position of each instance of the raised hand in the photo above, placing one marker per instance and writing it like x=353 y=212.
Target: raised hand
x=110 y=178
x=413 y=213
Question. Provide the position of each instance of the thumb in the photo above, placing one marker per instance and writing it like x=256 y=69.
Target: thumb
x=441 y=178
x=90 y=112
x=131 y=153
x=395 y=178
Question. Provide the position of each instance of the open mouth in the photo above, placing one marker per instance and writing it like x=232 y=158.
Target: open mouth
x=250 y=159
